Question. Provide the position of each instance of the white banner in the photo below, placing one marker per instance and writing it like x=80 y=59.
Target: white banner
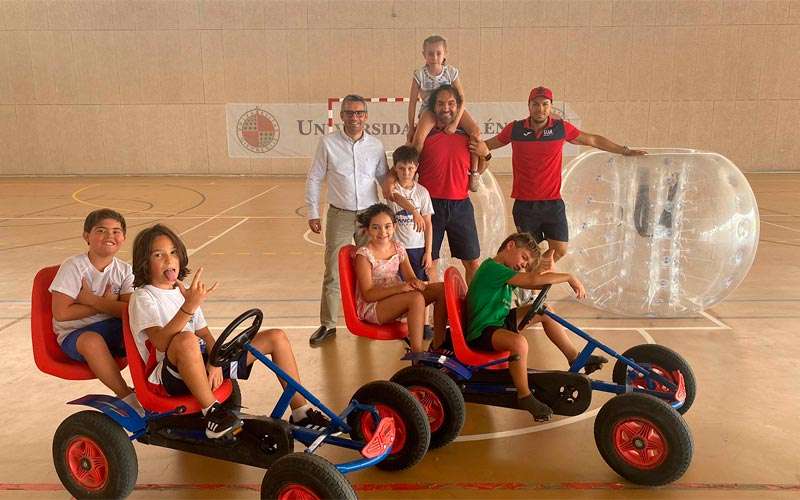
x=283 y=130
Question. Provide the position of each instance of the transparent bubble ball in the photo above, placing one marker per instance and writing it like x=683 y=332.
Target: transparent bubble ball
x=490 y=221
x=662 y=235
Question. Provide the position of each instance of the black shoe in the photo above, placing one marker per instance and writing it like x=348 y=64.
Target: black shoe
x=220 y=422
x=321 y=335
x=447 y=343
x=594 y=363
x=540 y=411
x=427 y=332
x=314 y=420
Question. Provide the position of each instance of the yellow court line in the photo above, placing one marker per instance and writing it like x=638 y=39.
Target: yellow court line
x=75 y=194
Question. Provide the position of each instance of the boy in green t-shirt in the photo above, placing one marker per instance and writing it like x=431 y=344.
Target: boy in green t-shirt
x=493 y=324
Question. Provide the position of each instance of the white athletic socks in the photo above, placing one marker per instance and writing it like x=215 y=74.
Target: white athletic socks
x=300 y=413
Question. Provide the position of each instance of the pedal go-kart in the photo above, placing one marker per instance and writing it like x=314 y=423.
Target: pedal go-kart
x=639 y=432
x=95 y=458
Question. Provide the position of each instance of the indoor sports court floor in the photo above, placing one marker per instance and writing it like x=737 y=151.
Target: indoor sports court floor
x=251 y=235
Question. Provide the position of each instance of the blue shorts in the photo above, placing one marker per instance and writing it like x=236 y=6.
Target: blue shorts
x=457 y=219
x=415 y=256
x=544 y=219
x=111 y=331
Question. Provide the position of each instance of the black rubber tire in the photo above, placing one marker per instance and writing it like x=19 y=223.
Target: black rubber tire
x=673 y=436
x=415 y=422
x=307 y=471
x=121 y=467
x=667 y=359
x=449 y=397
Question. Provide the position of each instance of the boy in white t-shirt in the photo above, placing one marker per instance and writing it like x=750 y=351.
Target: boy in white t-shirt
x=417 y=243
x=90 y=291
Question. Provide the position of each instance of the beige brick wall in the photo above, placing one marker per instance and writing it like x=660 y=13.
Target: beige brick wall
x=132 y=87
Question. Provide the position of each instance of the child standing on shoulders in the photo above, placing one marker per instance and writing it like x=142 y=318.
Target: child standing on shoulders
x=90 y=292
x=381 y=294
x=435 y=73
x=174 y=340
x=492 y=325
x=417 y=243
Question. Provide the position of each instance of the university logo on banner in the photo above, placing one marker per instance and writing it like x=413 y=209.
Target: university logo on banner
x=293 y=130
x=258 y=131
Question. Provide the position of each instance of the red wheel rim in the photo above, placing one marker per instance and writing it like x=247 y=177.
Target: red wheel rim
x=294 y=491
x=641 y=383
x=368 y=425
x=640 y=443
x=431 y=403
x=87 y=463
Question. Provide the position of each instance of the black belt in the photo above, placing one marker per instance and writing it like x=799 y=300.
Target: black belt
x=344 y=209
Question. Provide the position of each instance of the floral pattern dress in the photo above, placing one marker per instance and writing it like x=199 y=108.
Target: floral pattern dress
x=385 y=273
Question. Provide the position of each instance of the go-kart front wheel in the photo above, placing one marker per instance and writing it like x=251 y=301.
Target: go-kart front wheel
x=663 y=361
x=643 y=439
x=94 y=457
x=412 y=431
x=440 y=398
x=303 y=476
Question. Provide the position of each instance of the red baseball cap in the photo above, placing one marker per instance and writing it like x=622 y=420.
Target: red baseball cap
x=541 y=92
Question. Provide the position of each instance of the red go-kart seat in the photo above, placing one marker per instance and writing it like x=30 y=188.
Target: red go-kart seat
x=395 y=330
x=46 y=352
x=455 y=293
x=146 y=395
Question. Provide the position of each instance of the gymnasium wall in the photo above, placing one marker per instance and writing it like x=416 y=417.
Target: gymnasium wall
x=140 y=87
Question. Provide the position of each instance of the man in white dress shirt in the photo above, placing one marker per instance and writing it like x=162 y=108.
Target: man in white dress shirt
x=352 y=160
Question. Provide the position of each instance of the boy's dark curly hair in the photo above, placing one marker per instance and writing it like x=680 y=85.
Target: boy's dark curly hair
x=141 y=253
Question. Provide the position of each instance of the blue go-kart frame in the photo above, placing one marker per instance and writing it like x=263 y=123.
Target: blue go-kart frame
x=263 y=441
x=639 y=432
x=666 y=383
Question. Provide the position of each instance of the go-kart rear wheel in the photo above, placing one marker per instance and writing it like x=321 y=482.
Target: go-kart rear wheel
x=94 y=457
x=440 y=398
x=303 y=476
x=663 y=361
x=412 y=431
x=643 y=439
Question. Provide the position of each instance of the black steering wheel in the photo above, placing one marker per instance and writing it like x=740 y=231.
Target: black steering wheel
x=225 y=352
x=537 y=307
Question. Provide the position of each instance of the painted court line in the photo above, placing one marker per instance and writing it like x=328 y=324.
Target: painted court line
x=782 y=227
x=193 y=251
x=714 y=320
x=262 y=193
x=307 y=237
x=94 y=205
